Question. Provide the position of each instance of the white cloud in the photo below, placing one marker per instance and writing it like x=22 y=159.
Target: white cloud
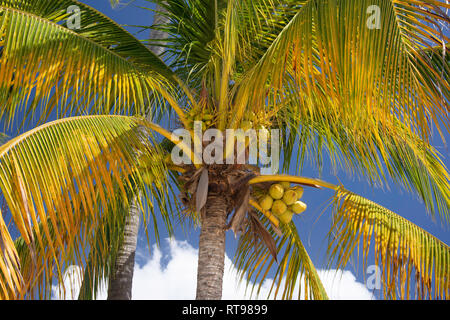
x=175 y=279
x=71 y=284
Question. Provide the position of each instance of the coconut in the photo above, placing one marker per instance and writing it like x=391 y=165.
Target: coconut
x=246 y=125
x=298 y=207
x=286 y=217
x=285 y=184
x=147 y=178
x=289 y=197
x=266 y=202
x=299 y=190
x=278 y=207
x=208 y=117
x=276 y=191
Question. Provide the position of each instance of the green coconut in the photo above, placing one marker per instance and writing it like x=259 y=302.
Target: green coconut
x=289 y=197
x=298 y=207
x=279 y=207
x=266 y=202
x=299 y=190
x=276 y=191
x=286 y=217
x=286 y=185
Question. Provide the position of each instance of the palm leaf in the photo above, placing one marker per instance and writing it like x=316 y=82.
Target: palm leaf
x=56 y=172
x=3 y=138
x=99 y=68
x=394 y=154
x=330 y=59
x=190 y=26
x=401 y=248
x=105 y=244
x=295 y=275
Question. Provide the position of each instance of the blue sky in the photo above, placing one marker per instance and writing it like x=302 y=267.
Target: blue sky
x=313 y=229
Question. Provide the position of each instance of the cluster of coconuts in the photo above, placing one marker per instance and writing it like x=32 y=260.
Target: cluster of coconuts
x=250 y=119
x=202 y=115
x=283 y=201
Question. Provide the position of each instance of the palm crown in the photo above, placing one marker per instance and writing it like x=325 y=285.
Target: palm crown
x=370 y=98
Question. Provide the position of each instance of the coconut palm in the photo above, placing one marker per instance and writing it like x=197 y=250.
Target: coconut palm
x=321 y=72
x=121 y=275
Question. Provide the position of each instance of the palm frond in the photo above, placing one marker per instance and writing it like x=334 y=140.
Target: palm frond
x=3 y=138
x=295 y=275
x=53 y=175
x=392 y=155
x=98 y=68
x=401 y=248
x=190 y=26
x=328 y=56
x=104 y=246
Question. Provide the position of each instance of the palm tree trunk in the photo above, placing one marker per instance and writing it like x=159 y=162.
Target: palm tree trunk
x=120 y=285
x=211 y=252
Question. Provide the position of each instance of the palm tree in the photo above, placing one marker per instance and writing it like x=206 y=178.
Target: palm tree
x=121 y=276
x=317 y=70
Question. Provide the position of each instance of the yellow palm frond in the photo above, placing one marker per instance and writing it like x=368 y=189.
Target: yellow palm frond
x=343 y=70
x=58 y=180
x=392 y=155
x=401 y=248
x=98 y=68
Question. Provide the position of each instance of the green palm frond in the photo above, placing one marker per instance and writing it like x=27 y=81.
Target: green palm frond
x=191 y=27
x=401 y=248
x=99 y=68
x=295 y=275
x=53 y=176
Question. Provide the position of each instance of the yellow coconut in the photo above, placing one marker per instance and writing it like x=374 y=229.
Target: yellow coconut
x=286 y=185
x=298 y=207
x=289 y=197
x=278 y=207
x=299 y=190
x=266 y=202
x=286 y=217
x=246 y=125
x=276 y=191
